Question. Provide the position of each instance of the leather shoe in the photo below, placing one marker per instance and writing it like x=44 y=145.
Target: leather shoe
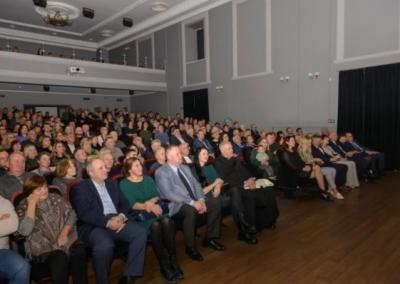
x=251 y=230
x=126 y=280
x=168 y=274
x=175 y=266
x=210 y=243
x=247 y=238
x=194 y=254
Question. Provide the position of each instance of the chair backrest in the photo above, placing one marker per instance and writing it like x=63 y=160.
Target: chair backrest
x=70 y=187
x=118 y=177
x=84 y=173
x=148 y=163
x=49 y=177
x=16 y=195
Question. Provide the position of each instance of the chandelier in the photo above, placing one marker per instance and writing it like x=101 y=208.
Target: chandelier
x=57 y=19
x=58 y=14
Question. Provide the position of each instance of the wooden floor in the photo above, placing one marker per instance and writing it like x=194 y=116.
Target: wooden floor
x=352 y=241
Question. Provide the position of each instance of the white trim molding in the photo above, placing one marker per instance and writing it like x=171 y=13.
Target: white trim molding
x=164 y=20
x=340 y=24
x=205 y=18
x=268 y=41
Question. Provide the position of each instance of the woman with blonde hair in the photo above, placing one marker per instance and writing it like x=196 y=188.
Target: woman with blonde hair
x=304 y=150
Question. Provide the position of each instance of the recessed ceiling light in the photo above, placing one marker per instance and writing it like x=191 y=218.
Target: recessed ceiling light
x=107 y=33
x=90 y=39
x=159 y=6
x=12 y=26
x=54 y=33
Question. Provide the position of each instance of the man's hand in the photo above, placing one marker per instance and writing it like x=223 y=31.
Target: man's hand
x=307 y=168
x=115 y=223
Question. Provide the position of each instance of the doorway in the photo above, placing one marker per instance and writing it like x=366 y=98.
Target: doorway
x=195 y=104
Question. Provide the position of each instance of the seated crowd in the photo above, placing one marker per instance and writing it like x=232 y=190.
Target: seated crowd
x=94 y=183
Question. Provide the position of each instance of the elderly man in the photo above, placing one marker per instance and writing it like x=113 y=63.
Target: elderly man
x=185 y=152
x=177 y=184
x=15 y=177
x=101 y=209
x=253 y=209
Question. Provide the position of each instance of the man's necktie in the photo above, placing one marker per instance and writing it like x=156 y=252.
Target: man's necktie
x=186 y=184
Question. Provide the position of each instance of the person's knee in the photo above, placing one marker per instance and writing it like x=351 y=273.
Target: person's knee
x=103 y=248
x=22 y=268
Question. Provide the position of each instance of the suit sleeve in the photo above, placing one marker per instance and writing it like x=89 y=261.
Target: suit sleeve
x=195 y=183
x=86 y=208
x=168 y=189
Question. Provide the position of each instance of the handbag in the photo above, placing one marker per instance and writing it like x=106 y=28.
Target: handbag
x=142 y=216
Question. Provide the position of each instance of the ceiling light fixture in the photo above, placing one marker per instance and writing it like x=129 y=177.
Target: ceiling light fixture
x=58 y=14
x=159 y=6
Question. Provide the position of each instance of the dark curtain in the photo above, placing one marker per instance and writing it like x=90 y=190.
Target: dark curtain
x=369 y=107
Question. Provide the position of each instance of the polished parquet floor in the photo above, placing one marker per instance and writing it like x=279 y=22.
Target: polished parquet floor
x=352 y=241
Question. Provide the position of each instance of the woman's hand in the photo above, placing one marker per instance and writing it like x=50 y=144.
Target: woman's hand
x=156 y=209
x=62 y=239
x=33 y=199
x=307 y=168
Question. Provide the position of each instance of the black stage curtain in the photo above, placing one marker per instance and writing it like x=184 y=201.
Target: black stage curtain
x=369 y=107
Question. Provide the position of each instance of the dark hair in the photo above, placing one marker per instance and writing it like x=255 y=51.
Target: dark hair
x=126 y=167
x=198 y=168
x=33 y=182
x=286 y=141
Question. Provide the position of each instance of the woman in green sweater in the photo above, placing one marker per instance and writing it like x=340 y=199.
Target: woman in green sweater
x=143 y=197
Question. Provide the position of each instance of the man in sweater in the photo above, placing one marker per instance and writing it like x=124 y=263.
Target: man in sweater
x=12 y=266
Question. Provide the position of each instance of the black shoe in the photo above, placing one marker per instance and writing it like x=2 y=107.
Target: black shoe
x=246 y=237
x=194 y=254
x=126 y=280
x=210 y=243
x=325 y=196
x=252 y=230
x=175 y=266
x=168 y=274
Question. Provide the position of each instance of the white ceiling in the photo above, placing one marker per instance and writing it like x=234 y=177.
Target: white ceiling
x=18 y=18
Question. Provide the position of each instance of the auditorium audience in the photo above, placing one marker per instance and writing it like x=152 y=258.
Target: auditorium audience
x=48 y=223
x=102 y=142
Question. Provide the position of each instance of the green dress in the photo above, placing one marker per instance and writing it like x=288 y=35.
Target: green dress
x=140 y=192
x=209 y=173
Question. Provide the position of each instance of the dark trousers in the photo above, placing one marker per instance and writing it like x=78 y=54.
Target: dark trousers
x=60 y=264
x=162 y=236
x=378 y=162
x=102 y=242
x=341 y=173
x=260 y=206
x=188 y=215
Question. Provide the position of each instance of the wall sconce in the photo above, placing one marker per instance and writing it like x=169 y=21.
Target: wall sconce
x=284 y=79
x=219 y=89
x=313 y=76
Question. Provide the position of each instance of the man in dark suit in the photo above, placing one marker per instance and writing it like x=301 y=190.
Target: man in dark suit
x=377 y=158
x=318 y=152
x=177 y=184
x=101 y=209
x=176 y=137
x=361 y=164
x=252 y=209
